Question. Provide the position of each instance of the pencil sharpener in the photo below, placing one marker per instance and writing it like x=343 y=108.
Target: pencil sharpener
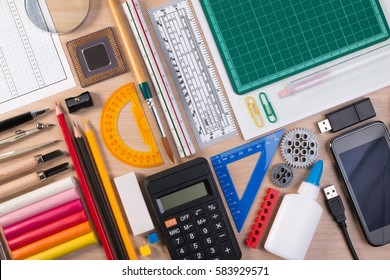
x=83 y=100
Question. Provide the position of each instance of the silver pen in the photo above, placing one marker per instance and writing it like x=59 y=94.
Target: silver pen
x=20 y=134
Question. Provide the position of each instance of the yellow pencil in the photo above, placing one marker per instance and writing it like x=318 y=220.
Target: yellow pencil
x=109 y=191
x=65 y=248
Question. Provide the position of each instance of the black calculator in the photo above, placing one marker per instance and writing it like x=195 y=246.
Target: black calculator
x=190 y=213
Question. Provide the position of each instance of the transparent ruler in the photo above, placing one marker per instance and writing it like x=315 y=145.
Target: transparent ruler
x=159 y=79
x=193 y=72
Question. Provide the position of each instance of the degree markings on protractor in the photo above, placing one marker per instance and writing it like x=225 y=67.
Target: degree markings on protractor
x=193 y=72
x=112 y=139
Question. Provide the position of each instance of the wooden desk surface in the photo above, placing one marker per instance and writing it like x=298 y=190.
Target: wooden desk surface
x=328 y=242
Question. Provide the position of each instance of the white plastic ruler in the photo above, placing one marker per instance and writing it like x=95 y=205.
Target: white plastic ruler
x=193 y=73
x=159 y=79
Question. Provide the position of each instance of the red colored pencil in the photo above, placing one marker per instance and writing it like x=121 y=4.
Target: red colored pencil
x=84 y=184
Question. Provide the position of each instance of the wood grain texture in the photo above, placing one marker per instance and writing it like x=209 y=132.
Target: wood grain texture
x=328 y=242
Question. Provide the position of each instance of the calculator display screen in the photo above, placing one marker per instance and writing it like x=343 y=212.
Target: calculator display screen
x=182 y=196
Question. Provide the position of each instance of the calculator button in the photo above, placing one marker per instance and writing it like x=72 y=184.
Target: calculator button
x=211 y=207
x=208 y=240
x=178 y=241
x=227 y=250
x=201 y=221
x=188 y=226
x=198 y=212
x=205 y=231
x=211 y=251
x=174 y=232
x=191 y=236
x=184 y=217
x=185 y=258
x=218 y=257
x=170 y=223
x=182 y=251
x=199 y=255
x=195 y=246
x=221 y=235
x=218 y=225
x=215 y=216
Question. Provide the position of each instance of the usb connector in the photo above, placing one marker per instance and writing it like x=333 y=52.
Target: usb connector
x=337 y=210
x=347 y=116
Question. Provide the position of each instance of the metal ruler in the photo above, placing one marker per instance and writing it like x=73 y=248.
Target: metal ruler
x=193 y=72
x=266 y=147
x=111 y=136
x=159 y=79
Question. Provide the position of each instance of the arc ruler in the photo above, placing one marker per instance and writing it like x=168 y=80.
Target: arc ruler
x=266 y=147
x=159 y=79
x=193 y=72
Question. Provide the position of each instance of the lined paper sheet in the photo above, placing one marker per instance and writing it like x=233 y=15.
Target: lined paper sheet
x=33 y=64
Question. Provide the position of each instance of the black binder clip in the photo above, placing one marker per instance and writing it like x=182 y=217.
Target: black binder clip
x=76 y=103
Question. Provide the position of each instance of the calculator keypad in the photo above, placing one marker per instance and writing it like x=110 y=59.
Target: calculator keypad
x=199 y=234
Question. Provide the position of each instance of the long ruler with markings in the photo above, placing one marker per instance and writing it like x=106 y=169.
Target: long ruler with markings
x=266 y=147
x=193 y=72
x=159 y=79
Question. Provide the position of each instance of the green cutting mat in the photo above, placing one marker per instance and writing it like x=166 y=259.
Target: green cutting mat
x=263 y=41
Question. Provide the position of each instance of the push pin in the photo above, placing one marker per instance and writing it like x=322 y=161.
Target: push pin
x=74 y=104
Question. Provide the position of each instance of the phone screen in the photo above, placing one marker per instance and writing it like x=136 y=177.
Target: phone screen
x=368 y=169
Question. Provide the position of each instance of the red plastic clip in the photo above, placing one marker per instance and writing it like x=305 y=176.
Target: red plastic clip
x=262 y=218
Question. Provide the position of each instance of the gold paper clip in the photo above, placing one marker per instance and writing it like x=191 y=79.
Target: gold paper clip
x=268 y=109
x=254 y=111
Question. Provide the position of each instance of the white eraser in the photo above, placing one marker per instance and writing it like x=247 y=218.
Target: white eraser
x=134 y=204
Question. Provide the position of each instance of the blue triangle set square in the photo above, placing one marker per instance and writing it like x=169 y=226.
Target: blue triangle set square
x=267 y=147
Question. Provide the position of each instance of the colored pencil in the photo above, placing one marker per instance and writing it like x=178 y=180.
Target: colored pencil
x=84 y=184
x=105 y=178
x=51 y=241
x=101 y=199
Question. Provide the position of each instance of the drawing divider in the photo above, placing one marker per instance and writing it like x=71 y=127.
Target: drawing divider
x=101 y=199
x=84 y=184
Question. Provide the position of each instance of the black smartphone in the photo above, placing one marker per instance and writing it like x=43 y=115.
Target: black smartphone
x=363 y=159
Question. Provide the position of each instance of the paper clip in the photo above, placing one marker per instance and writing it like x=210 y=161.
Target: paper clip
x=254 y=111
x=268 y=109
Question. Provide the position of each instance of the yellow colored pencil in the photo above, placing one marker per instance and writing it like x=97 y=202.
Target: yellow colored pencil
x=93 y=145
x=66 y=248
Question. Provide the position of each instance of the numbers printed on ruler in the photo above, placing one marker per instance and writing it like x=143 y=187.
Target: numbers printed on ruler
x=193 y=72
x=159 y=78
